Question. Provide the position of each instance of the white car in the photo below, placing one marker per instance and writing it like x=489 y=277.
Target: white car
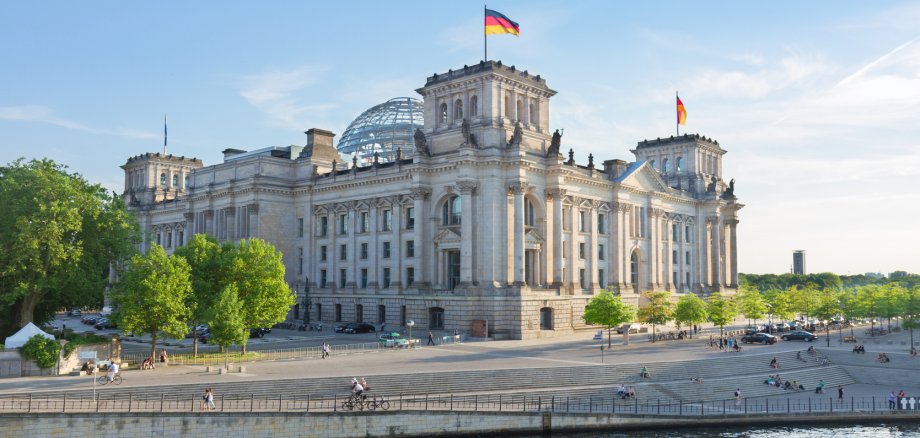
x=632 y=328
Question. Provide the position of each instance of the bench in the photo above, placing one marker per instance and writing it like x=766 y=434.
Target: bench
x=849 y=339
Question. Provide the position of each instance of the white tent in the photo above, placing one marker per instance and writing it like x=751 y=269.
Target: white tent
x=23 y=336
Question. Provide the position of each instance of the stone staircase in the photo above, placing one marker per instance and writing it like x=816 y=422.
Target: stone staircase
x=669 y=381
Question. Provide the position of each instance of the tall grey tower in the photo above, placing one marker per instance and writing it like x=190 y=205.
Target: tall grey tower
x=798 y=262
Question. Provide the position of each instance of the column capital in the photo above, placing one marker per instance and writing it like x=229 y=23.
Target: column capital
x=732 y=222
x=517 y=187
x=596 y=205
x=657 y=212
x=554 y=193
x=468 y=187
x=622 y=207
x=420 y=193
x=253 y=208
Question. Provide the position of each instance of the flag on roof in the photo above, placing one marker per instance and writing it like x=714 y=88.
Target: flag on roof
x=496 y=22
x=681 y=113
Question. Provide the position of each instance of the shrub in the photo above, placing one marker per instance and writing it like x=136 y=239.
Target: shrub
x=45 y=352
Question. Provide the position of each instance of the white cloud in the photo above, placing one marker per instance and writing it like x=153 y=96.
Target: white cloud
x=43 y=114
x=276 y=93
x=762 y=82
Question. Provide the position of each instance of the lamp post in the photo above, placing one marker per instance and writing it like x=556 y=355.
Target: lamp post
x=307 y=302
x=410 y=324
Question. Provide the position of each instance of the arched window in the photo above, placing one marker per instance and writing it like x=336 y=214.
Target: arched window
x=666 y=166
x=175 y=180
x=435 y=318
x=546 y=318
x=680 y=164
x=474 y=106
x=186 y=181
x=450 y=213
x=163 y=179
x=534 y=112
x=509 y=106
x=529 y=216
x=520 y=110
x=458 y=109
x=443 y=113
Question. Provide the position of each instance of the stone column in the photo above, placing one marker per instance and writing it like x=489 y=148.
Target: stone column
x=372 y=244
x=467 y=188
x=654 y=248
x=398 y=243
x=624 y=215
x=669 y=260
x=733 y=279
x=716 y=253
x=593 y=247
x=517 y=188
x=556 y=265
x=573 y=245
x=423 y=247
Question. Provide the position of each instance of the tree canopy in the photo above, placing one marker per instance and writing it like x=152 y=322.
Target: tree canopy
x=204 y=256
x=225 y=319
x=722 y=310
x=658 y=309
x=58 y=236
x=152 y=296
x=690 y=310
x=608 y=310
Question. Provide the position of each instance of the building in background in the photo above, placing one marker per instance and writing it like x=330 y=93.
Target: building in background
x=798 y=262
x=487 y=225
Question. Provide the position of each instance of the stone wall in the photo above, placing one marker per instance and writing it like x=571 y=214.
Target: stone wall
x=379 y=424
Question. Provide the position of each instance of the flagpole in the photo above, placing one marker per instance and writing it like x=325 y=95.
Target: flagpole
x=485 y=37
x=676 y=99
x=164 y=134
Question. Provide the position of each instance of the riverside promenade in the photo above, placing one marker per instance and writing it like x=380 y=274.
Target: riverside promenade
x=558 y=377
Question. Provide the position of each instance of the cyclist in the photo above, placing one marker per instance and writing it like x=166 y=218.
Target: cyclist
x=356 y=388
x=113 y=370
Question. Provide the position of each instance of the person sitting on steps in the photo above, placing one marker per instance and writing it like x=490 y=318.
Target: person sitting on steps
x=643 y=373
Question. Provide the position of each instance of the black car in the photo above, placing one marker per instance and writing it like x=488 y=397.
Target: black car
x=343 y=327
x=104 y=323
x=257 y=332
x=361 y=327
x=762 y=338
x=799 y=336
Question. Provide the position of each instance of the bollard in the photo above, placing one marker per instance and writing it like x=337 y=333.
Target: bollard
x=279 y=403
x=130 y=400
x=162 y=396
x=252 y=398
x=30 y=402
x=552 y=406
x=64 y=409
x=499 y=403
x=221 y=402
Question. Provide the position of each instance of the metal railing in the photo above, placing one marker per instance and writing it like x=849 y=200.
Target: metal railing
x=28 y=403
x=237 y=357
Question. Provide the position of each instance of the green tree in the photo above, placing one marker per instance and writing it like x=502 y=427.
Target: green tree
x=153 y=294
x=58 y=236
x=258 y=273
x=690 y=310
x=804 y=299
x=44 y=351
x=891 y=302
x=828 y=307
x=608 y=310
x=225 y=319
x=779 y=304
x=658 y=309
x=912 y=311
x=722 y=310
x=752 y=304
x=203 y=255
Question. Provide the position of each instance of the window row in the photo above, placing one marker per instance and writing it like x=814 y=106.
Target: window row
x=435 y=315
x=458 y=109
x=165 y=239
x=666 y=165
x=385 y=224
x=363 y=279
x=175 y=180
x=675 y=233
x=385 y=247
x=583 y=217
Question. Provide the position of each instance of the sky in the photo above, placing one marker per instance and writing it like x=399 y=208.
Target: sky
x=817 y=103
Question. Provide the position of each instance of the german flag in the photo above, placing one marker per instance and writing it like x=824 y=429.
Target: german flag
x=681 y=113
x=496 y=22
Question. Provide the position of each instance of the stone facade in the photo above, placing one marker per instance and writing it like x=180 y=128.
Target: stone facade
x=487 y=221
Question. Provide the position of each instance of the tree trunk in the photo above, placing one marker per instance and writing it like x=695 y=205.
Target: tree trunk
x=27 y=308
x=609 y=334
x=244 y=348
x=195 y=341
x=153 y=347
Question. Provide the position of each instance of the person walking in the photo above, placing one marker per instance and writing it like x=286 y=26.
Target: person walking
x=430 y=338
x=892 y=401
x=207 y=400
x=325 y=350
x=840 y=393
x=738 y=397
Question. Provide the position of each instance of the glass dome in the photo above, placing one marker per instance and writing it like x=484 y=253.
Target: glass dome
x=383 y=129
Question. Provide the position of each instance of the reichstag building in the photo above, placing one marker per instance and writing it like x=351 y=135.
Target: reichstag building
x=462 y=210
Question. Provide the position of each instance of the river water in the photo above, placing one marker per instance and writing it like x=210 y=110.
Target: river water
x=879 y=430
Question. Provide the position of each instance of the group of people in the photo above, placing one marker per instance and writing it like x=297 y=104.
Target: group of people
x=894 y=399
x=730 y=344
x=359 y=387
x=859 y=349
x=207 y=400
x=626 y=392
x=883 y=358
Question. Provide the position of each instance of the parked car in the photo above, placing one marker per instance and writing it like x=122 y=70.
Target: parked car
x=392 y=340
x=89 y=319
x=105 y=323
x=759 y=338
x=781 y=327
x=341 y=328
x=74 y=312
x=799 y=336
x=203 y=337
x=257 y=332
x=632 y=328
x=361 y=327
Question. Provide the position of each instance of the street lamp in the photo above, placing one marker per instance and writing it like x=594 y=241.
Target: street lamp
x=307 y=302
x=410 y=323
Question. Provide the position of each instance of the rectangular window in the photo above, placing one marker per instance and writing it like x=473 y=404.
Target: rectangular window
x=674 y=257
x=675 y=233
x=181 y=238
x=324 y=226
x=402 y=316
x=410 y=248
x=343 y=277
x=386 y=250
x=643 y=222
x=687 y=258
x=387 y=220
x=300 y=227
x=169 y=239
x=364 y=223
x=687 y=233
x=319 y=312
x=364 y=251
x=601 y=280
x=581 y=278
x=410 y=276
x=582 y=221
x=359 y=313
x=687 y=276
x=343 y=252
x=601 y=223
x=564 y=246
x=386 y=278
x=343 y=223
x=300 y=261
x=338 y=313
x=322 y=278
x=600 y=251
x=410 y=218
x=364 y=279
x=581 y=250
x=566 y=221
x=675 y=279
x=322 y=253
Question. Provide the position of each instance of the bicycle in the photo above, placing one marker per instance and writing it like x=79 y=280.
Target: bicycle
x=104 y=380
x=354 y=401
x=377 y=401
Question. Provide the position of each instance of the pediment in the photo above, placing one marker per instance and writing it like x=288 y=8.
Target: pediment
x=447 y=235
x=533 y=236
x=643 y=177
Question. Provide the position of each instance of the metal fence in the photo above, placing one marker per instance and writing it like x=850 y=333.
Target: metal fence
x=27 y=403
x=237 y=357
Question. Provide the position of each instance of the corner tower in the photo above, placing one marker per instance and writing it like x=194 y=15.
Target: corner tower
x=493 y=99
x=688 y=162
x=154 y=177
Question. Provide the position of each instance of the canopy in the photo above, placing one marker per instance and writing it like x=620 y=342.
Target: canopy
x=23 y=336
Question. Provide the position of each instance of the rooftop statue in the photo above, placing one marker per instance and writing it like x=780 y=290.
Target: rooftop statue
x=554 y=144
x=421 y=143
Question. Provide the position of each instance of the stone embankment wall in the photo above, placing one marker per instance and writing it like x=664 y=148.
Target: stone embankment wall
x=379 y=424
